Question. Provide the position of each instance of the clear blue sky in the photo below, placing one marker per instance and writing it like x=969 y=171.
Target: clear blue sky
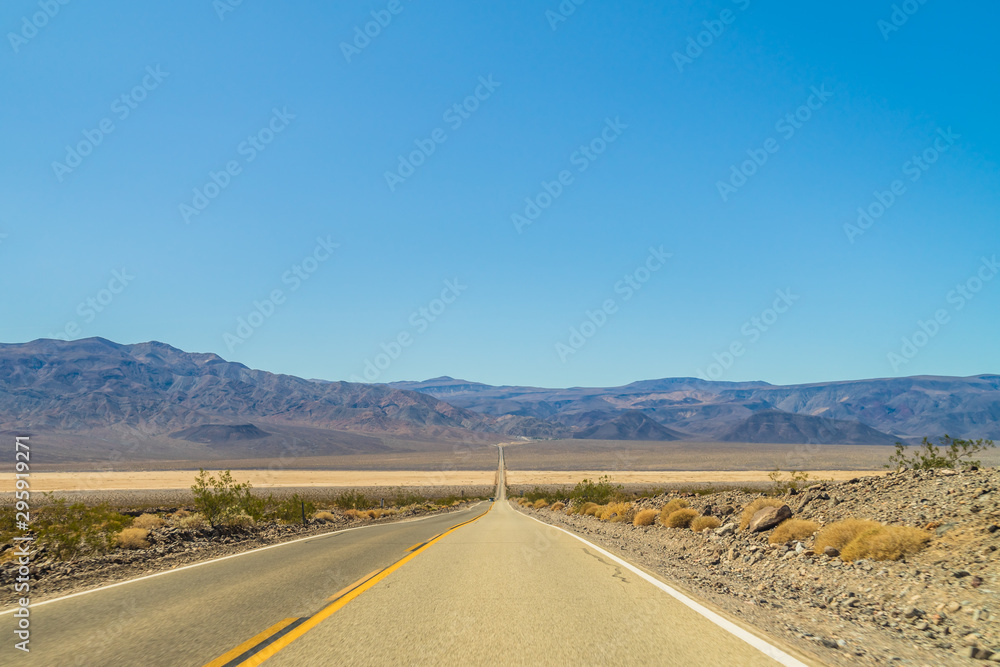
x=678 y=126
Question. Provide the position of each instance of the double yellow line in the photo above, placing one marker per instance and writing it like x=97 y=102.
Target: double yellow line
x=257 y=649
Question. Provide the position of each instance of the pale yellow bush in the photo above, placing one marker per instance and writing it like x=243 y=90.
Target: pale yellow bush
x=682 y=518
x=541 y=503
x=192 y=522
x=645 y=518
x=793 y=529
x=133 y=538
x=325 y=517
x=886 y=543
x=556 y=507
x=839 y=534
x=671 y=507
x=701 y=523
x=619 y=513
x=755 y=507
x=587 y=509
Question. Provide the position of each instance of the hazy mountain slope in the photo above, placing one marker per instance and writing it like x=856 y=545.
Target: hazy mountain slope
x=631 y=425
x=784 y=427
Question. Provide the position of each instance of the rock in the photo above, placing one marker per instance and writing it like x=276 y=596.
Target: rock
x=976 y=653
x=769 y=517
x=958 y=574
x=953 y=606
x=728 y=529
x=975 y=582
x=832 y=552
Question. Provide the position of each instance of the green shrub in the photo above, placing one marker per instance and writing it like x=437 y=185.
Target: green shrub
x=928 y=456
x=355 y=500
x=71 y=530
x=224 y=500
x=601 y=492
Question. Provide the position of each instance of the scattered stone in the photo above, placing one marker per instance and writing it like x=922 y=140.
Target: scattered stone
x=832 y=552
x=769 y=517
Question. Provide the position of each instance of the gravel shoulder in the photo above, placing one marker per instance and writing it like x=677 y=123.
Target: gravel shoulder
x=933 y=608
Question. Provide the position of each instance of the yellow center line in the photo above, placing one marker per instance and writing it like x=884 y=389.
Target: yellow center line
x=344 y=591
x=250 y=643
x=346 y=595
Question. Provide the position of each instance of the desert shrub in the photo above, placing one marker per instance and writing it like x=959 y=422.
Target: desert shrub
x=618 y=513
x=671 y=507
x=601 y=492
x=700 y=523
x=586 y=509
x=355 y=500
x=237 y=520
x=681 y=518
x=885 y=543
x=796 y=480
x=540 y=503
x=287 y=510
x=224 y=500
x=928 y=455
x=375 y=514
x=557 y=507
x=179 y=514
x=793 y=529
x=840 y=533
x=360 y=515
x=69 y=530
x=191 y=522
x=593 y=509
x=325 y=517
x=133 y=538
x=645 y=518
x=148 y=521
x=756 y=506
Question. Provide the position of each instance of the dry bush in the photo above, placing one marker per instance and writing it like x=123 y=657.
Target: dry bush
x=755 y=507
x=133 y=538
x=239 y=520
x=682 y=518
x=325 y=517
x=356 y=514
x=793 y=529
x=886 y=543
x=701 y=523
x=556 y=507
x=839 y=534
x=180 y=514
x=587 y=509
x=671 y=507
x=148 y=521
x=541 y=503
x=192 y=522
x=618 y=513
x=376 y=514
x=645 y=518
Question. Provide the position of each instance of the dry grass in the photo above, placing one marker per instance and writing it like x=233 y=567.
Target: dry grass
x=619 y=513
x=701 y=523
x=595 y=511
x=645 y=518
x=839 y=534
x=587 y=509
x=148 y=521
x=793 y=529
x=541 y=503
x=133 y=538
x=671 y=507
x=360 y=515
x=325 y=517
x=558 y=507
x=681 y=518
x=886 y=543
x=179 y=514
x=755 y=507
x=191 y=522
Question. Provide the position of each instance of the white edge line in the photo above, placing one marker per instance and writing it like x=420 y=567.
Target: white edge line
x=222 y=558
x=764 y=647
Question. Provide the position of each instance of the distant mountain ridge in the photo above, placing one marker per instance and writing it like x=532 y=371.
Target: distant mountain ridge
x=893 y=408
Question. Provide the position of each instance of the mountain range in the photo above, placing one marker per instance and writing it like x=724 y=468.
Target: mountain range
x=163 y=402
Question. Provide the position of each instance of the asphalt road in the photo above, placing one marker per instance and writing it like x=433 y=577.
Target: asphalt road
x=487 y=585
x=190 y=616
